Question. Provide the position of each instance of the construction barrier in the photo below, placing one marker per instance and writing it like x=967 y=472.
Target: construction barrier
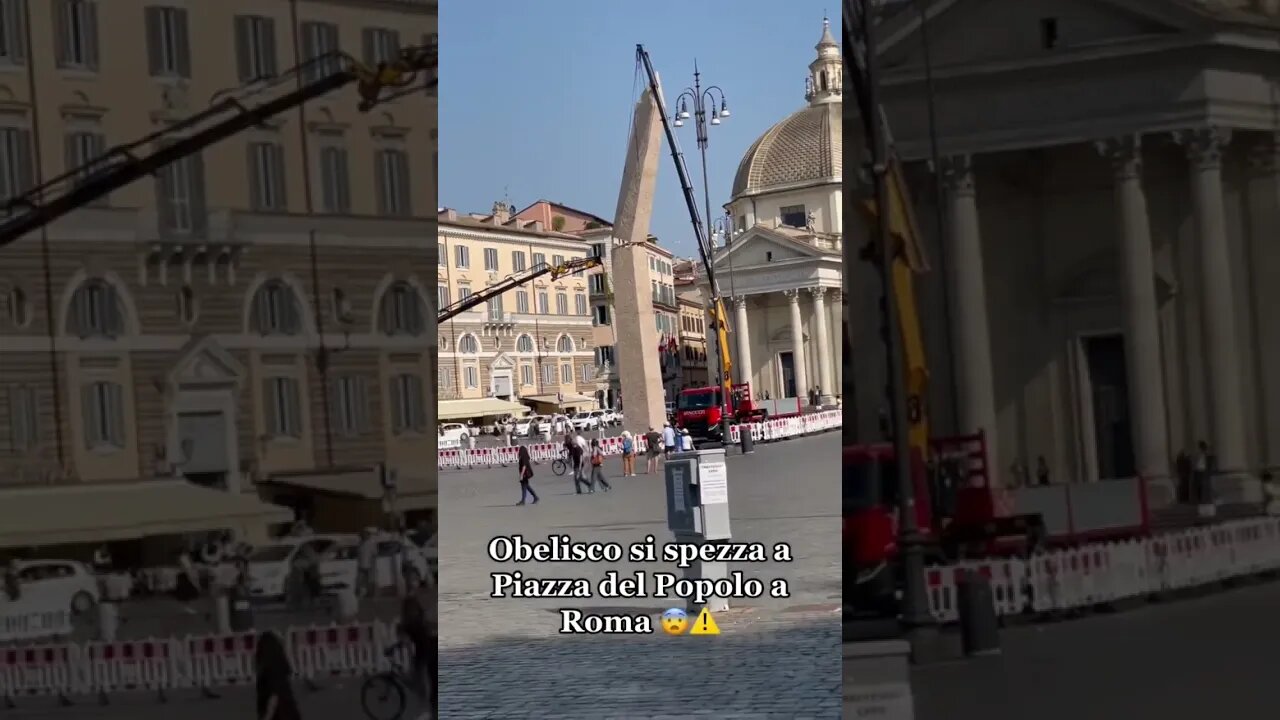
x=22 y=621
x=164 y=665
x=1102 y=574
x=767 y=431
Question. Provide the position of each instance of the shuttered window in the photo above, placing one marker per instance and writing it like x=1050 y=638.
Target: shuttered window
x=180 y=191
x=402 y=310
x=350 y=405
x=15 y=162
x=335 y=180
x=266 y=177
x=392 y=173
x=408 y=413
x=319 y=50
x=282 y=407
x=380 y=45
x=168 y=42
x=276 y=310
x=255 y=47
x=76 y=34
x=13 y=29
x=24 y=428
x=549 y=374
x=102 y=406
x=95 y=311
x=84 y=151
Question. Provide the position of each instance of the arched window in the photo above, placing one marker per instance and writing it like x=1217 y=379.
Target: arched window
x=524 y=344
x=564 y=344
x=19 y=308
x=276 y=309
x=95 y=310
x=468 y=345
x=402 y=310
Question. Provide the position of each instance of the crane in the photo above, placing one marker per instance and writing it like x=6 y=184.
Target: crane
x=515 y=280
x=228 y=114
x=716 y=309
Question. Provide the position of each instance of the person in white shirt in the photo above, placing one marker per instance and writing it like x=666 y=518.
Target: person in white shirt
x=668 y=438
x=686 y=440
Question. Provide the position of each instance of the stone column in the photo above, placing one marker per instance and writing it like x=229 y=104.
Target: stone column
x=1141 y=320
x=825 y=382
x=797 y=346
x=743 y=332
x=1263 y=261
x=1218 y=323
x=971 y=336
x=837 y=331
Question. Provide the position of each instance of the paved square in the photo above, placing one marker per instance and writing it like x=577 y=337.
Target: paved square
x=775 y=658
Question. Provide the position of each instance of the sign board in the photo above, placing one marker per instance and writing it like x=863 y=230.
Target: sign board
x=679 y=472
x=713 y=483
x=890 y=701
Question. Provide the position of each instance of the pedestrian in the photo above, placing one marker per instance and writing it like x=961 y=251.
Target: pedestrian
x=276 y=700
x=1201 y=472
x=653 y=448
x=188 y=586
x=686 y=440
x=524 y=466
x=668 y=438
x=366 y=558
x=416 y=615
x=574 y=450
x=1042 y=471
x=584 y=450
x=628 y=455
x=597 y=466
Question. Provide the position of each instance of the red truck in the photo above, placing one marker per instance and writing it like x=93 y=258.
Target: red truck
x=700 y=409
x=960 y=515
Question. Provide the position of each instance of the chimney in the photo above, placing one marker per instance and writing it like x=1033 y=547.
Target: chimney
x=501 y=213
x=449 y=214
x=537 y=226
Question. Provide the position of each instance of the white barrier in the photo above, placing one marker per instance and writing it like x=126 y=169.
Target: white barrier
x=1102 y=573
x=22 y=621
x=767 y=431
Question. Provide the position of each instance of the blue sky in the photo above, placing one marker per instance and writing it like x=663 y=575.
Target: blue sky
x=536 y=96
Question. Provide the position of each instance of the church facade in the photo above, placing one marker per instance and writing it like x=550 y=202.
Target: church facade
x=1110 y=204
x=781 y=267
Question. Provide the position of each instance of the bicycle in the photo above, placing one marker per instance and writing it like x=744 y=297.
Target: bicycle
x=385 y=696
x=560 y=465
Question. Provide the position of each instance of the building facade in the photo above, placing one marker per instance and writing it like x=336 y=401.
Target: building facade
x=232 y=321
x=1109 y=247
x=693 y=327
x=783 y=260
x=533 y=344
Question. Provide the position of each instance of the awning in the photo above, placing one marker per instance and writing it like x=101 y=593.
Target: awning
x=94 y=513
x=477 y=407
x=362 y=484
x=567 y=400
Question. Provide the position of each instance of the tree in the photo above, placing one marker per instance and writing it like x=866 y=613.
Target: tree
x=557 y=223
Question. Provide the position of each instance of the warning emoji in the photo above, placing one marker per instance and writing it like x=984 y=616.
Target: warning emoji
x=705 y=624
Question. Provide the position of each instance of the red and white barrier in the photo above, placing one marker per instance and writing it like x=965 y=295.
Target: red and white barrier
x=131 y=665
x=41 y=670
x=767 y=431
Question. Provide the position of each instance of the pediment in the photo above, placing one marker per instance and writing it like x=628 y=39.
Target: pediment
x=963 y=32
x=502 y=361
x=204 y=362
x=761 y=245
x=1099 y=277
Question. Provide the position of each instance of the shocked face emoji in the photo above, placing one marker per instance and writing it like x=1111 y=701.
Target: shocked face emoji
x=675 y=621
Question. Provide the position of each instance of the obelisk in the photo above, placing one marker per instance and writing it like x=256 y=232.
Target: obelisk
x=636 y=332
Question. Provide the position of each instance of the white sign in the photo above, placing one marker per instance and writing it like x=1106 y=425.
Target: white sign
x=889 y=701
x=713 y=484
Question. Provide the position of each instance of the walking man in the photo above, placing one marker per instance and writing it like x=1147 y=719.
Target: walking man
x=575 y=452
x=653 y=447
x=668 y=439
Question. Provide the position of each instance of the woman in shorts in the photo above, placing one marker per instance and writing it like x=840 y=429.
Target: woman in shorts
x=654 y=448
x=628 y=454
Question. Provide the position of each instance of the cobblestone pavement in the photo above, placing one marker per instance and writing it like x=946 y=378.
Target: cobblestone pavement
x=775 y=658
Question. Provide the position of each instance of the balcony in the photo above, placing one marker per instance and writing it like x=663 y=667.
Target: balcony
x=499 y=318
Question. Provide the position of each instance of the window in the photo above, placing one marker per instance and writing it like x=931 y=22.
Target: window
x=282 y=408
x=526 y=375
x=276 y=310
x=587 y=372
x=464 y=291
x=461 y=257
x=102 y=406
x=444 y=379
x=602 y=315
x=524 y=344
x=495 y=308
x=319 y=50
x=580 y=303
x=380 y=45
x=543 y=307
x=15 y=162
x=564 y=344
x=549 y=374
x=517 y=261
x=95 y=311
x=13 y=29
x=491 y=259
x=557 y=260
x=597 y=250
x=24 y=416
x=19 y=308
x=266 y=177
x=468 y=345
x=392 y=172
x=402 y=311
x=562 y=304
x=341 y=306
x=76 y=34
x=255 y=47
x=187 y=307
x=442 y=295
x=407 y=411
x=794 y=216
x=522 y=301
x=83 y=148
x=604 y=355
x=566 y=374
x=596 y=284
x=539 y=259
x=350 y=405
x=180 y=186
x=168 y=43
x=471 y=376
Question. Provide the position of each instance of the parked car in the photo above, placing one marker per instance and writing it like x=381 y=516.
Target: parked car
x=585 y=421
x=609 y=417
x=554 y=424
x=57 y=584
x=269 y=564
x=454 y=432
x=341 y=564
x=526 y=425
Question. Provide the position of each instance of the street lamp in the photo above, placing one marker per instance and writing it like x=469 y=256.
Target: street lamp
x=705 y=113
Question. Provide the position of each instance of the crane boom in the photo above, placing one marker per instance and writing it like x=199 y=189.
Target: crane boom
x=516 y=280
x=225 y=117
x=719 y=316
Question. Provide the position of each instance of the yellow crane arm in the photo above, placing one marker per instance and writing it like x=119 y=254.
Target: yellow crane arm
x=720 y=321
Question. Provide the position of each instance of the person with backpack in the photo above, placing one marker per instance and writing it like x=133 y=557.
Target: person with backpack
x=597 y=467
x=628 y=455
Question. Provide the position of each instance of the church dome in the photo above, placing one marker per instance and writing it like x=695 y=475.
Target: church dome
x=806 y=146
